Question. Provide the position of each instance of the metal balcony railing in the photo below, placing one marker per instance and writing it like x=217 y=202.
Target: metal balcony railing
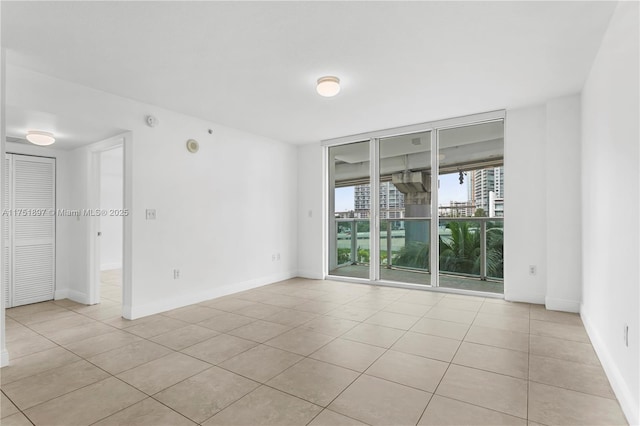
x=468 y=246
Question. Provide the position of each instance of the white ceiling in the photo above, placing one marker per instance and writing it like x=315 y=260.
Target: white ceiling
x=70 y=132
x=253 y=65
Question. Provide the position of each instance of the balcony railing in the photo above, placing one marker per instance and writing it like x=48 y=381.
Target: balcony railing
x=469 y=247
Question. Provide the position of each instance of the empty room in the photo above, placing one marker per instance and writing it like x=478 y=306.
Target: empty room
x=320 y=213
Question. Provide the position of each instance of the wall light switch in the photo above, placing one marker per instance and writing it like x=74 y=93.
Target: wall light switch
x=151 y=214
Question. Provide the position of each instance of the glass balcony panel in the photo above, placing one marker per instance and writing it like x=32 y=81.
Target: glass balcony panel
x=404 y=251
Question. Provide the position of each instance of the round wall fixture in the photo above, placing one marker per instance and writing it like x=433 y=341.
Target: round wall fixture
x=193 y=146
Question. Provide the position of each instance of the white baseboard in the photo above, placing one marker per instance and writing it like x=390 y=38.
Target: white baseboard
x=61 y=294
x=126 y=312
x=510 y=296
x=616 y=378
x=312 y=275
x=563 y=305
x=79 y=297
x=74 y=295
x=4 y=358
x=135 y=312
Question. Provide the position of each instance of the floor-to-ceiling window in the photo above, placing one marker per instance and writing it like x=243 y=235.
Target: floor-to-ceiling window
x=350 y=210
x=405 y=207
x=471 y=207
x=392 y=220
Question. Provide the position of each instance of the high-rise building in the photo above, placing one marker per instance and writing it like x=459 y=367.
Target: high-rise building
x=391 y=201
x=481 y=183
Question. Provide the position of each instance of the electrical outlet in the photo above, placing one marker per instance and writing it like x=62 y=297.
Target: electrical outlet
x=533 y=269
x=176 y=274
x=278 y=256
x=273 y=257
x=151 y=214
x=626 y=335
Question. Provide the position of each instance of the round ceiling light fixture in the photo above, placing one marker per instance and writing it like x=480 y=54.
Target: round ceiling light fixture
x=328 y=86
x=37 y=137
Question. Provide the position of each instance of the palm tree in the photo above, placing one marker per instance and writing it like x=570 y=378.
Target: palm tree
x=460 y=252
x=495 y=251
x=415 y=254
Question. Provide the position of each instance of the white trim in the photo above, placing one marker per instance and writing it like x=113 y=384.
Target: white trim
x=61 y=294
x=534 y=298
x=434 y=212
x=139 y=311
x=563 y=305
x=96 y=149
x=465 y=120
x=70 y=294
x=74 y=295
x=374 y=210
x=4 y=358
x=620 y=387
x=312 y=275
x=78 y=296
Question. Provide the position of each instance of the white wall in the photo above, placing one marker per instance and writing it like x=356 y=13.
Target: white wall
x=111 y=198
x=525 y=222
x=221 y=213
x=610 y=205
x=310 y=212
x=563 y=205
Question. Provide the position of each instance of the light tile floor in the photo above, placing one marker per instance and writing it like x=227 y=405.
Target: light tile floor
x=304 y=352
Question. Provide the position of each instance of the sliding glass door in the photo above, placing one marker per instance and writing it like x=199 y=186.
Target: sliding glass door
x=350 y=210
x=405 y=208
x=471 y=207
x=391 y=219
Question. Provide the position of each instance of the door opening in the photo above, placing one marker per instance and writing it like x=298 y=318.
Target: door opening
x=109 y=233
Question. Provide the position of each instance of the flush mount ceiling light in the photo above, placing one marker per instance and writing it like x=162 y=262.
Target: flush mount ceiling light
x=328 y=86
x=40 y=138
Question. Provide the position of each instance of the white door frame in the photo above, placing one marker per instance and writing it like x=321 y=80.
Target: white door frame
x=95 y=150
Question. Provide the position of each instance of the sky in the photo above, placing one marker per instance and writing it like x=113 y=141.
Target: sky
x=450 y=190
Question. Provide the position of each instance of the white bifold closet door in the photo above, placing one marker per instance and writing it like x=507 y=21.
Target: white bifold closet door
x=29 y=229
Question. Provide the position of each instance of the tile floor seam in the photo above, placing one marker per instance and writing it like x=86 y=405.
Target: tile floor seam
x=566 y=360
x=360 y=374
x=326 y=409
x=574 y=390
x=248 y=393
x=449 y=365
x=17 y=408
x=493 y=346
x=381 y=355
x=67 y=393
x=157 y=359
x=43 y=371
x=183 y=415
x=479 y=406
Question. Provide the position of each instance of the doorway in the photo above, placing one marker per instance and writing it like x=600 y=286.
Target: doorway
x=110 y=233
